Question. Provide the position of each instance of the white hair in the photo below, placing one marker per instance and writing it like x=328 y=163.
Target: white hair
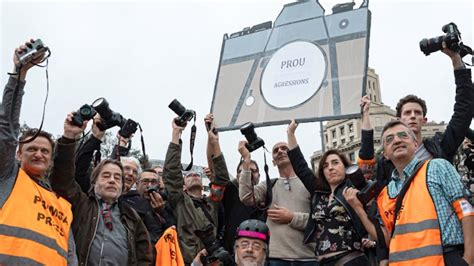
x=133 y=160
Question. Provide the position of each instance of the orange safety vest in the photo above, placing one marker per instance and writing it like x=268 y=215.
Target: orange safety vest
x=167 y=249
x=416 y=238
x=34 y=225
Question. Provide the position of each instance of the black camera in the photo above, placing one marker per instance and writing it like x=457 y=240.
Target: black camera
x=163 y=193
x=86 y=112
x=184 y=114
x=33 y=51
x=254 y=142
x=128 y=128
x=368 y=189
x=452 y=38
x=109 y=117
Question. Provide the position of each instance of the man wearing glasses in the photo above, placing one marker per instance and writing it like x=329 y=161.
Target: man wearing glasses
x=288 y=213
x=434 y=221
x=148 y=202
x=251 y=244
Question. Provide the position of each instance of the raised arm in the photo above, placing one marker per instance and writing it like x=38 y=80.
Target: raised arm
x=62 y=174
x=249 y=194
x=460 y=121
x=10 y=112
x=172 y=174
x=85 y=155
x=304 y=173
x=216 y=161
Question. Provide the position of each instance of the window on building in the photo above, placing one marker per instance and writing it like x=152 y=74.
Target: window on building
x=326 y=136
x=341 y=129
x=334 y=144
x=352 y=156
x=343 y=141
x=351 y=127
x=375 y=98
x=351 y=139
x=333 y=132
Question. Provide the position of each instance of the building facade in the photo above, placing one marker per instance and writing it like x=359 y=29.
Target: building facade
x=345 y=135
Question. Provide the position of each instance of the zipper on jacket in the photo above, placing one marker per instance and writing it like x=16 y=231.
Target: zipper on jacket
x=95 y=231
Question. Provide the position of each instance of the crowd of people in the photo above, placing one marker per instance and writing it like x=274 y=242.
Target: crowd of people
x=80 y=209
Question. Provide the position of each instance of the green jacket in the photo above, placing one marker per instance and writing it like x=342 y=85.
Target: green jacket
x=189 y=217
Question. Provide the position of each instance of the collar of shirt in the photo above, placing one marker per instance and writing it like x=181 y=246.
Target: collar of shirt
x=112 y=205
x=407 y=171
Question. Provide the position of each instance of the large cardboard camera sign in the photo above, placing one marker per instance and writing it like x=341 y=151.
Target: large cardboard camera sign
x=306 y=66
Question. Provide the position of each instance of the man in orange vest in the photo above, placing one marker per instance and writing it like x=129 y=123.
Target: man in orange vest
x=34 y=221
x=434 y=222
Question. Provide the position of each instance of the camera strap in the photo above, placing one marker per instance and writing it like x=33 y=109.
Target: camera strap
x=15 y=96
x=403 y=192
x=269 y=194
x=192 y=139
x=142 y=140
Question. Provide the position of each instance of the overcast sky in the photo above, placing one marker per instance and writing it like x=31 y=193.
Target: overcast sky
x=140 y=55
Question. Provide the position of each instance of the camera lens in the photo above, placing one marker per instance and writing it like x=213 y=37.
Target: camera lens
x=177 y=107
x=102 y=107
x=356 y=176
x=86 y=111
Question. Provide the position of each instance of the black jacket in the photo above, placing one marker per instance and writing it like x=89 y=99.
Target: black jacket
x=309 y=180
x=235 y=212
x=155 y=225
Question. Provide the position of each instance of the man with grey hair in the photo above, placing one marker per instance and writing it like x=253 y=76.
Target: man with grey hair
x=131 y=169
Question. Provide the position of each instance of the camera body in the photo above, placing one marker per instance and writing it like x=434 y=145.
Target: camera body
x=109 y=117
x=184 y=114
x=163 y=193
x=254 y=142
x=368 y=189
x=37 y=49
x=86 y=112
x=452 y=38
x=128 y=128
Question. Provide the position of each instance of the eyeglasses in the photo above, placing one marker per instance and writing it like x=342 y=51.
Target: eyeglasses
x=287 y=185
x=401 y=135
x=149 y=181
x=254 y=245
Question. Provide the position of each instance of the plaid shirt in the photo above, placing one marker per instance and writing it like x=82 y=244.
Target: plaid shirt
x=445 y=187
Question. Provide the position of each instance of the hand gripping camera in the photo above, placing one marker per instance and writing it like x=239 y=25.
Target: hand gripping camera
x=452 y=38
x=86 y=112
x=254 y=142
x=368 y=189
x=163 y=193
x=184 y=114
x=35 y=50
x=111 y=119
